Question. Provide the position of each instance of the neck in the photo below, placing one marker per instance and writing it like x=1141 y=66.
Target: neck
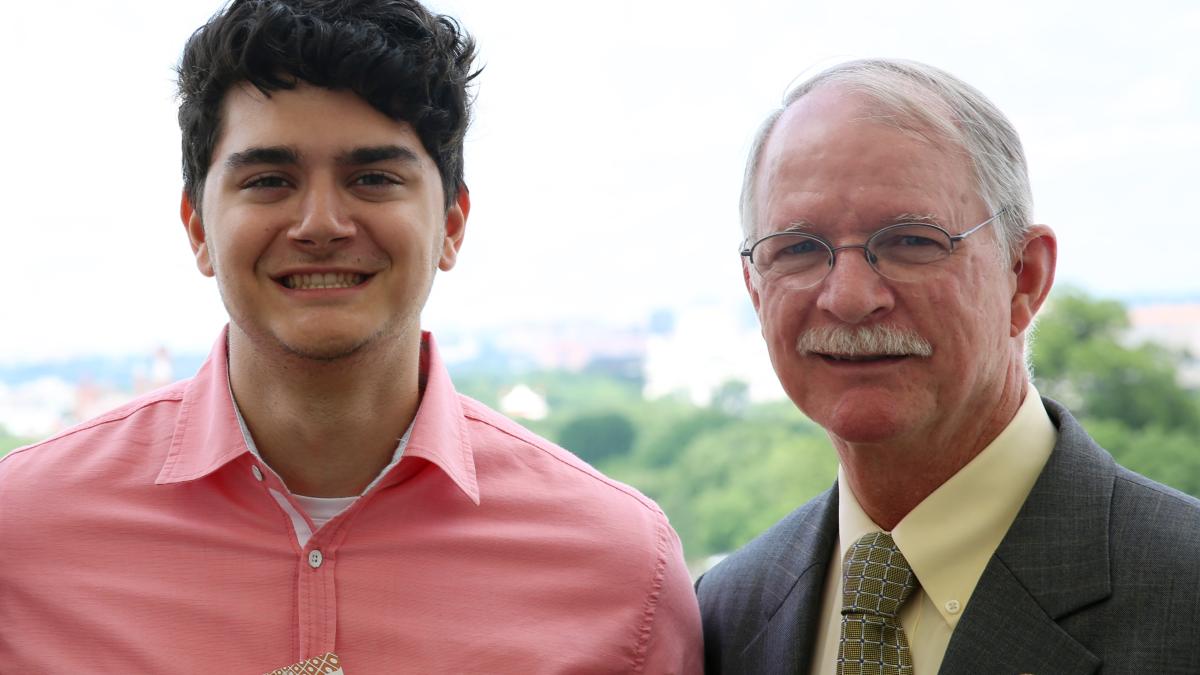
x=891 y=479
x=326 y=427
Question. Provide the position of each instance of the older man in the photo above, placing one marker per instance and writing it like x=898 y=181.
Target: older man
x=974 y=527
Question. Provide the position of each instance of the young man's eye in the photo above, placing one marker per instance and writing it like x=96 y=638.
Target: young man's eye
x=376 y=180
x=265 y=182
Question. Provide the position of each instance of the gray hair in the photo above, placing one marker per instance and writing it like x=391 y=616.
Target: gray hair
x=922 y=98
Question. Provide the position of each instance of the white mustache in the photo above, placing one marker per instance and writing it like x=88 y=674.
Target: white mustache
x=877 y=340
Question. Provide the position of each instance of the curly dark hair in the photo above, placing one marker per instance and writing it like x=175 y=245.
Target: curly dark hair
x=408 y=63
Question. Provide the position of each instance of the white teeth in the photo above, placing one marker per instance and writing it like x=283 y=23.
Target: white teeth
x=325 y=280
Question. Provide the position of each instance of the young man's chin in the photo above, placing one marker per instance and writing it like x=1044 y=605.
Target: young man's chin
x=329 y=349
x=320 y=342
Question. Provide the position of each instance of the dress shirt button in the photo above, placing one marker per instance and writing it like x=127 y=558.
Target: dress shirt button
x=315 y=558
x=257 y=472
x=952 y=606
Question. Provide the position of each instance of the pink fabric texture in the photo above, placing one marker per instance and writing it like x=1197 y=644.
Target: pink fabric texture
x=144 y=542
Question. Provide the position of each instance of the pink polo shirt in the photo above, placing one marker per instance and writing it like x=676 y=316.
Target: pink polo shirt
x=148 y=541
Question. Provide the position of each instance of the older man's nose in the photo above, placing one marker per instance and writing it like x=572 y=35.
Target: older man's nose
x=853 y=292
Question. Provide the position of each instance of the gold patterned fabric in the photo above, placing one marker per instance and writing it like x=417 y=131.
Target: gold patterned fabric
x=329 y=664
x=876 y=580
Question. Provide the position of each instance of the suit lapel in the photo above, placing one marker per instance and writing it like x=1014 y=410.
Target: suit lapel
x=792 y=590
x=1053 y=562
x=1005 y=630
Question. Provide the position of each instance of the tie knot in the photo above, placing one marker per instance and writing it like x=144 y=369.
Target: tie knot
x=876 y=577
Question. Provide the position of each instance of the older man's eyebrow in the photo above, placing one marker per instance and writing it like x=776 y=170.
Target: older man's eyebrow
x=923 y=218
x=279 y=154
x=378 y=153
x=797 y=226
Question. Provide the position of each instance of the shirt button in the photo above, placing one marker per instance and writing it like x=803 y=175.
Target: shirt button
x=315 y=558
x=256 y=471
x=952 y=606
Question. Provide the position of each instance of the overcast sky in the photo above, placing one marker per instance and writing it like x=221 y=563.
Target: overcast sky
x=606 y=156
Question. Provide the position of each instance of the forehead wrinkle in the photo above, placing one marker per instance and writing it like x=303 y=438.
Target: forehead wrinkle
x=803 y=226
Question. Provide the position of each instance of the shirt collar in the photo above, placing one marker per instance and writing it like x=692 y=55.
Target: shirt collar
x=208 y=435
x=439 y=431
x=950 y=536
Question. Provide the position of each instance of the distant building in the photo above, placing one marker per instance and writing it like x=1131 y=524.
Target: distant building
x=159 y=373
x=704 y=347
x=93 y=399
x=572 y=346
x=35 y=409
x=45 y=405
x=1176 y=325
x=521 y=402
x=552 y=345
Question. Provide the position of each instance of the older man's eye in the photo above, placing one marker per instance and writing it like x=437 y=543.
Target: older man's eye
x=913 y=245
x=800 y=248
x=915 y=240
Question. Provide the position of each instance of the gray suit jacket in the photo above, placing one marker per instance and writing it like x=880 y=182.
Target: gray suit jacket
x=1099 y=573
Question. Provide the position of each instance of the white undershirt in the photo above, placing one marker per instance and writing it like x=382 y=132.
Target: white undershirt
x=323 y=509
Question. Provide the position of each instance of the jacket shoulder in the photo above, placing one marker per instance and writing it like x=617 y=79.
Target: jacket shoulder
x=1127 y=553
x=745 y=568
x=784 y=567
x=1149 y=516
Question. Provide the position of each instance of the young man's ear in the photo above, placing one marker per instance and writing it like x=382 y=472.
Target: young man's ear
x=456 y=228
x=1033 y=269
x=194 y=226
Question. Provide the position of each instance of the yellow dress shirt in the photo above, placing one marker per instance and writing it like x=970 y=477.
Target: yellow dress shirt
x=948 y=538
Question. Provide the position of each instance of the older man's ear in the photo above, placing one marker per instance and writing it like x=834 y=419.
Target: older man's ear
x=1033 y=272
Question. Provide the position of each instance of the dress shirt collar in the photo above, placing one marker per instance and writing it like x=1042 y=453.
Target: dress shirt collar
x=208 y=436
x=950 y=536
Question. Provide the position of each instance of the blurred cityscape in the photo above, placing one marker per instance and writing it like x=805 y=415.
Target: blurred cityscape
x=687 y=353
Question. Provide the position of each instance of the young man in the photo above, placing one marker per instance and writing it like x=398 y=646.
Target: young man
x=318 y=495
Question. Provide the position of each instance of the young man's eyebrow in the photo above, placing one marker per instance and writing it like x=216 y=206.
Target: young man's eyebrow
x=282 y=154
x=378 y=153
x=273 y=155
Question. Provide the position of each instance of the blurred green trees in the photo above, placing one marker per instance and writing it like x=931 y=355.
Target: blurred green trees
x=10 y=442
x=723 y=473
x=596 y=437
x=1081 y=357
x=1128 y=396
x=721 y=477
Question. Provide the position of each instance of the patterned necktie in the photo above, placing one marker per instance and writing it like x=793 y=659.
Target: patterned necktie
x=876 y=582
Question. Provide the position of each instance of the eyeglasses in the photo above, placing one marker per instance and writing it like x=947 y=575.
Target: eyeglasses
x=897 y=252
